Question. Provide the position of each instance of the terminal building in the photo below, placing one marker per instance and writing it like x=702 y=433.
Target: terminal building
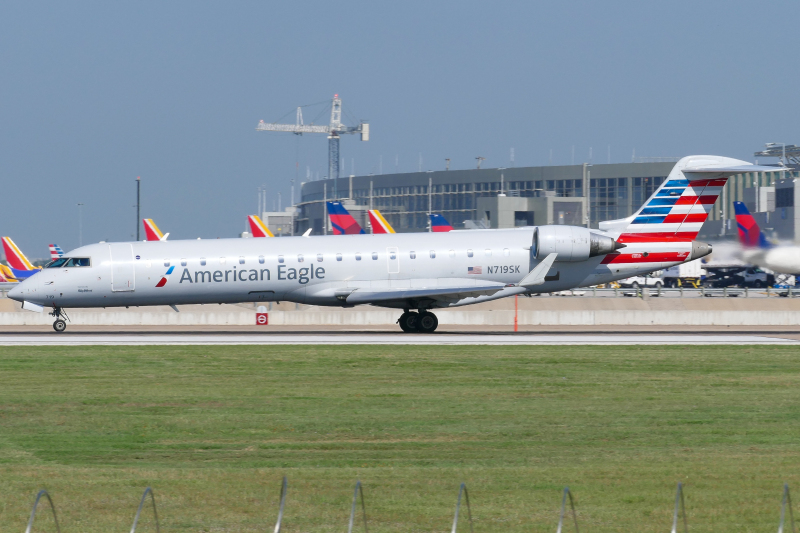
x=524 y=196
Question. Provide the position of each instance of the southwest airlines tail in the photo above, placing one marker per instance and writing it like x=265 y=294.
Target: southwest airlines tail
x=342 y=221
x=6 y=276
x=749 y=233
x=378 y=223
x=152 y=232
x=678 y=208
x=257 y=228
x=55 y=251
x=19 y=265
x=439 y=223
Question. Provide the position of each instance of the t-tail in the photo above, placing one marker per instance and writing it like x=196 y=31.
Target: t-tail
x=152 y=232
x=342 y=221
x=55 y=251
x=257 y=227
x=378 y=223
x=439 y=223
x=678 y=208
x=750 y=234
x=19 y=265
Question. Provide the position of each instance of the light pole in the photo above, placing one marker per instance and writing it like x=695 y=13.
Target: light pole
x=80 y=225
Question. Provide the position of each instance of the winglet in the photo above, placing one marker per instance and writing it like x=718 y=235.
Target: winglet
x=537 y=275
x=307 y=233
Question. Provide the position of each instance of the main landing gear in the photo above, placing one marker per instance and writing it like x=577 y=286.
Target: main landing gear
x=59 y=325
x=422 y=322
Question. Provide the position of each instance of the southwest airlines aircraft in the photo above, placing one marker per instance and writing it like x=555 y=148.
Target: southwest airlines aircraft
x=257 y=227
x=18 y=265
x=415 y=272
x=759 y=251
x=152 y=232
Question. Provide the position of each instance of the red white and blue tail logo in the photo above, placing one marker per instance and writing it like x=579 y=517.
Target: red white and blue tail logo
x=439 y=223
x=163 y=280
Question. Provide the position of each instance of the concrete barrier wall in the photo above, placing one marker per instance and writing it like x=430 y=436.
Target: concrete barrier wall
x=378 y=317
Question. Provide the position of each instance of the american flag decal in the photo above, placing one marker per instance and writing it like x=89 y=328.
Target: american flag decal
x=474 y=270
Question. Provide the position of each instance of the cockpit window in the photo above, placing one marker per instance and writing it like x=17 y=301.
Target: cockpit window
x=79 y=262
x=69 y=262
x=58 y=263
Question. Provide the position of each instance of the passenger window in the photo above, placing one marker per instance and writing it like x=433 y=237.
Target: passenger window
x=469 y=253
x=241 y=260
x=202 y=261
x=488 y=252
x=506 y=252
x=452 y=253
x=261 y=259
x=166 y=263
x=183 y=262
x=358 y=257
x=300 y=258
x=319 y=258
x=280 y=259
x=221 y=260
x=374 y=256
x=433 y=254
x=338 y=257
x=412 y=255
x=392 y=255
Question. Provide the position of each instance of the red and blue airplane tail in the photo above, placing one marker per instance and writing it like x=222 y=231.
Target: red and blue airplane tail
x=19 y=265
x=750 y=234
x=439 y=223
x=342 y=221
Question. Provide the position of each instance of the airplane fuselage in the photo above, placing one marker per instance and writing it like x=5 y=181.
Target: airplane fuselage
x=324 y=270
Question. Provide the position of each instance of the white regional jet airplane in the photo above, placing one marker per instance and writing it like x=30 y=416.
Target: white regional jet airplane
x=415 y=272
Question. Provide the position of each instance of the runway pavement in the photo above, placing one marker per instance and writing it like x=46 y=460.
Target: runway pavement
x=232 y=338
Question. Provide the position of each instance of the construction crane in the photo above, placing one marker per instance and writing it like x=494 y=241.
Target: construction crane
x=334 y=130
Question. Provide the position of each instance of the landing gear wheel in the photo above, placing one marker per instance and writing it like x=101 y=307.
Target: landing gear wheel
x=59 y=325
x=427 y=322
x=408 y=321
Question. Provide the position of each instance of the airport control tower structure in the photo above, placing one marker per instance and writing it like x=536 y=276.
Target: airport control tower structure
x=334 y=130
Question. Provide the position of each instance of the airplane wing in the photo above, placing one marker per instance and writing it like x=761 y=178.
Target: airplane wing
x=382 y=294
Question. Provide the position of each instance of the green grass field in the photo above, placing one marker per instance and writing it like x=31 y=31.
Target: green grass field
x=213 y=430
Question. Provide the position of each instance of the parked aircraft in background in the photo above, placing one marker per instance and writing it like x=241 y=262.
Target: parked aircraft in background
x=378 y=223
x=18 y=264
x=761 y=252
x=415 y=272
x=342 y=221
x=439 y=223
x=55 y=251
x=258 y=228
x=152 y=232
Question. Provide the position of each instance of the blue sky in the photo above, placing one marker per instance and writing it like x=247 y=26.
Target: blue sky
x=93 y=94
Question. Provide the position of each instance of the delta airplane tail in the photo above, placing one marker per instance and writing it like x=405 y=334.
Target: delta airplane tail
x=749 y=233
x=342 y=221
x=257 y=227
x=55 y=251
x=439 y=223
x=19 y=265
x=378 y=223
x=152 y=232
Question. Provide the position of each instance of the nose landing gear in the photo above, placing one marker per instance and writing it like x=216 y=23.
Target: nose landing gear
x=59 y=325
x=422 y=322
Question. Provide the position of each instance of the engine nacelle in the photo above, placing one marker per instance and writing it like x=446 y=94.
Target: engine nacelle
x=571 y=243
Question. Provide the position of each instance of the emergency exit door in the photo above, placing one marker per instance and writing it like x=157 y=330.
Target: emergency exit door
x=122 y=269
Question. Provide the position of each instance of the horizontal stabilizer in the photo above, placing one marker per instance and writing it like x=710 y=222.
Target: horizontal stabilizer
x=704 y=173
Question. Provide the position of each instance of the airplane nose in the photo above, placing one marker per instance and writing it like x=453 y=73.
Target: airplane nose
x=16 y=293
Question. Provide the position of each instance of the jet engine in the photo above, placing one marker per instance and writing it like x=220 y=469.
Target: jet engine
x=571 y=243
